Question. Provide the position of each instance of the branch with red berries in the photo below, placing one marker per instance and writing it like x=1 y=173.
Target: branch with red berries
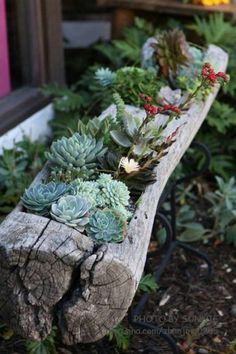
x=209 y=78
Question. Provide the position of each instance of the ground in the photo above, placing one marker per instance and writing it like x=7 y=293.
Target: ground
x=199 y=312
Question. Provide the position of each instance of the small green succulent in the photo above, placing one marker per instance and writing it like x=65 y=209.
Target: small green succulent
x=89 y=190
x=114 y=193
x=40 y=197
x=106 y=226
x=72 y=211
x=104 y=193
x=77 y=154
x=105 y=76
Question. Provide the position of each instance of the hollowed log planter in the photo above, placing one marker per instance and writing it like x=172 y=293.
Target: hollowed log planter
x=51 y=273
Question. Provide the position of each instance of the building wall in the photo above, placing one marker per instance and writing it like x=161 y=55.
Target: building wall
x=36 y=127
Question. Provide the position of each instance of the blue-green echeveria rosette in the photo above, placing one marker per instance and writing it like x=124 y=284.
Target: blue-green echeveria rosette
x=106 y=226
x=40 y=197
x=77 y=154
x=105 y=192
x=72 y=211
x=114 y=193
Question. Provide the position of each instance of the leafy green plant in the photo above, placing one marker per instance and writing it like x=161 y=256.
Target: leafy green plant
x=191 y=230
x=64 y=99
x=98 y=128
x=25 y=155
x=18 y=166
x=72 y=211
x=215 y=30
x=129 y=82
x=147 y=283
x=12 y=166
x=46 y=346
x=106 y=226
x=40 y=197
x=121 y=335
x=222 y=117
x=223 y=210
x=127 y=50
x=77 y=155
x=222 y=155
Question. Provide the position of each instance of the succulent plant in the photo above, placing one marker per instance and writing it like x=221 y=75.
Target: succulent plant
x=137 y=181
x=114 y=193
x=72 y=211
x=148 y=60
x=89 y=190
x=128 y=130
x=130 y=81
x=105 y=76
x=77 y=154
x=104 y=192
x=106 y=226
x=168 y=96
x=40 y=197
x=97 y=128
x=120 y=106
x=172 y=51
x=109 y=161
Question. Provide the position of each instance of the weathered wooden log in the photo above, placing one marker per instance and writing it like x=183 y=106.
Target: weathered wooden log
x=50 y=273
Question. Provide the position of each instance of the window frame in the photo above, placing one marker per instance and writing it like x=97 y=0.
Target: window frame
x=39 y=23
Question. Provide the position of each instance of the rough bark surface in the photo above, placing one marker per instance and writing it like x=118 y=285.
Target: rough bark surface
x=51 y=272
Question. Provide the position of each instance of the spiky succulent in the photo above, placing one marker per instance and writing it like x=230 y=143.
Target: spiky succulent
x=105 y=76
x=72 y=211
x=104 y=192
x=40 y=197
x=106 y=226
x=77 y=154
x=125 y=134
x=172 y=51
x=114 y=193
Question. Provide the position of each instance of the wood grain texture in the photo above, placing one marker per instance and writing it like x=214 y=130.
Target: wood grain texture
x=51 y=272
x=168 y=6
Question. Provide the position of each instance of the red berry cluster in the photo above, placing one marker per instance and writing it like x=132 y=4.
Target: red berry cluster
x=172 y=108
x=210 y=76
x=152 y=110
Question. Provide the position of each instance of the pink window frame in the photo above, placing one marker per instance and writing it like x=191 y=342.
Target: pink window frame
x=5 y=85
